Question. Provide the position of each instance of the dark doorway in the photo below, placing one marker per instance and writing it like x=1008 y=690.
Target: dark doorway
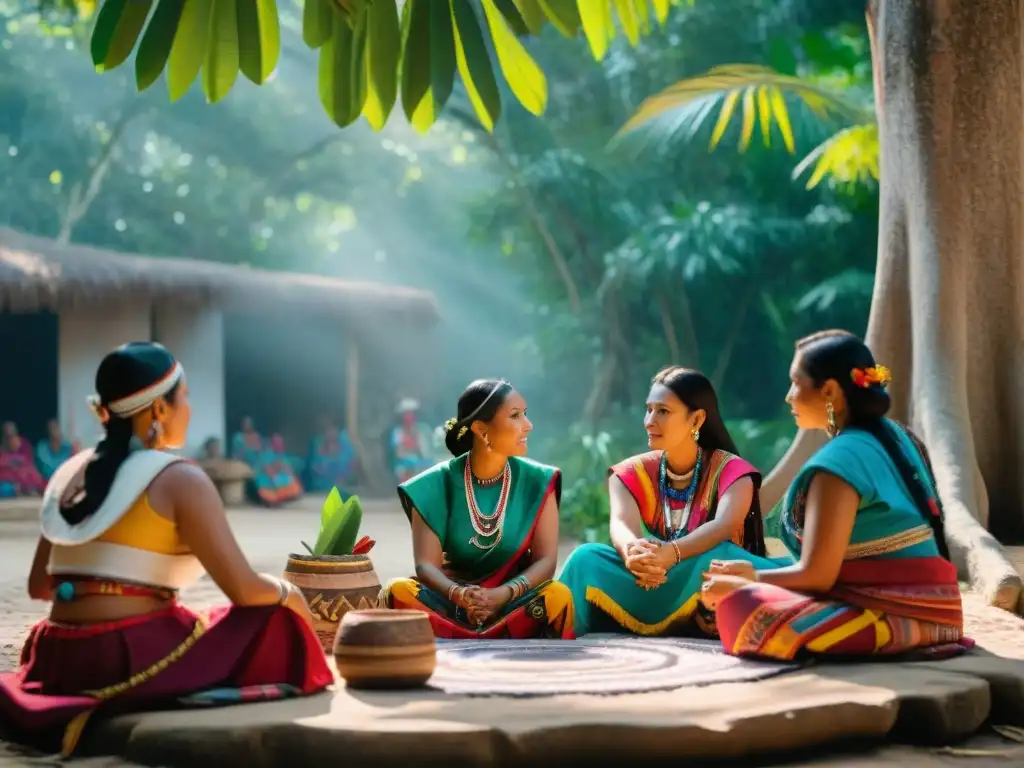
x=29 y=371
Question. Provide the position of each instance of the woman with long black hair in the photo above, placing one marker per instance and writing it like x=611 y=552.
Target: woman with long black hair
x=125 y=526
x=864 y=518
x=673 y=509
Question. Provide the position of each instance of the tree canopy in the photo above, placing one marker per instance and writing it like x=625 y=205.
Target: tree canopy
x=371 y=52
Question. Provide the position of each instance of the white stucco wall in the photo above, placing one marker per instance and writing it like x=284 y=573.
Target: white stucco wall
x=86 y=335
x=196 y=338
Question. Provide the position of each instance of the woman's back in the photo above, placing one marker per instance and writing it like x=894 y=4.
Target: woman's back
x=132 y=538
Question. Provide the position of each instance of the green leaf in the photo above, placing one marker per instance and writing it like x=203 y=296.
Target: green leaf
x=339 y=531
x=728 y=107
x=331 y=506
x=342 y=78
x=510 y=10
x=221 y=67
x=629 y=19
x=563 y=15
x=524 y=77
x=430 y=22
x=383 y=51
x=848 y=157
x=442 y=54
x=661 y=8
x=189 y=48
x=117 y=29
x=415 y=79
x=598 y=25
x=317 y=22
x=259 y=38
x=474 y=65
x=155 y=46
x=691 y=101
x=532 y=15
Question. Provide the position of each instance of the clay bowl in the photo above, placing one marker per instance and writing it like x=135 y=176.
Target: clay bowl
x=385 y=649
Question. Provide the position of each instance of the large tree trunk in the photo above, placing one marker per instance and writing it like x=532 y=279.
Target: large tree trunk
x=947 y=314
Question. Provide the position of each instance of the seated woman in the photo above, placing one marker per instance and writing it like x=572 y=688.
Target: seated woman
x=18 y=473
x=331 y=460
x=864 y=518
x=409 y=447
x=485 y=529
x=689 y=500
x=273 y=481
x=53 y=450
x=125 y=526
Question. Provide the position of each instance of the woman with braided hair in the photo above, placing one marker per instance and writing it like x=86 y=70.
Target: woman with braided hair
x=864 y=519
x=125 y=526
x=485 y=528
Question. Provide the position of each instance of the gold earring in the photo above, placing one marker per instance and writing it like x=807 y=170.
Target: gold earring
x=831 y=413
x=695 y=434
x=487 y=441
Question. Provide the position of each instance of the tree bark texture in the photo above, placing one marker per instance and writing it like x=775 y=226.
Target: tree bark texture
x=947 y=315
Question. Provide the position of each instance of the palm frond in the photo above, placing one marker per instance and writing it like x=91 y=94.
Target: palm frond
x=758 y=94
x=848 y=157
x=848 y=284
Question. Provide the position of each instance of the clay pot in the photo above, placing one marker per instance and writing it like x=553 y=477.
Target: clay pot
x=385 y=649
x=333 y=585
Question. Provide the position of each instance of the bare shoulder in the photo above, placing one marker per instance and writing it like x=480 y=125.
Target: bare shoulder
x=181 y=481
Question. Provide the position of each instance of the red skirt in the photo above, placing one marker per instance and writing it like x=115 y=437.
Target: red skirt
x=145 y=662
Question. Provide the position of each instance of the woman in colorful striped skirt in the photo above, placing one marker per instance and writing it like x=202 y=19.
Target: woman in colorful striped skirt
x=485 y=529
x=864 y=518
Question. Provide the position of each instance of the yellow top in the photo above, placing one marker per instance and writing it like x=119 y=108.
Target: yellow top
x=142 y=527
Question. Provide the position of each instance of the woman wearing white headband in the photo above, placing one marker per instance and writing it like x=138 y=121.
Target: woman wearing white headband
x=485 y=528
x=125 y=526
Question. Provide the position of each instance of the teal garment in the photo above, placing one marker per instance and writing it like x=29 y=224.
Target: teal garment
x=601 y=584
x=886 y=506
x=439 y=495
x=48 y=460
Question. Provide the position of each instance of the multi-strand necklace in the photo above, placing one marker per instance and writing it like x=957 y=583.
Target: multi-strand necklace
x=487 y=526
x=681 y=495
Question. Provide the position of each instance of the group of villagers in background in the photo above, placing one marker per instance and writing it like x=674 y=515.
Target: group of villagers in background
x=869 y=573
x=24 y=471
x=330 y=462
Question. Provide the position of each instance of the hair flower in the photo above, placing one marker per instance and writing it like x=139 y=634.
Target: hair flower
x=450 y=424
x=868 y=377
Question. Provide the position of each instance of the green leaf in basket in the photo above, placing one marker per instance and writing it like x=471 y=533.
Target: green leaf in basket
x=338 y=534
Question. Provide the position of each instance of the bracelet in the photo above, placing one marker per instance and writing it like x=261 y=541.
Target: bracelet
x=675 y=547
x=451 y=592
x=519 y=586
x=286 y=589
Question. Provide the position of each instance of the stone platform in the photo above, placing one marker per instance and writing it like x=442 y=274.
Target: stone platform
x=919 y=703
x=922 y=703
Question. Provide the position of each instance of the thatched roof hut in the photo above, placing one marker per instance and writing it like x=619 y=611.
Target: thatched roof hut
x=37 y=273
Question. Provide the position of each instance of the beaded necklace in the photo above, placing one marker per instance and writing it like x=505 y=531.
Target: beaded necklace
x=684 y=495
x=487 y=526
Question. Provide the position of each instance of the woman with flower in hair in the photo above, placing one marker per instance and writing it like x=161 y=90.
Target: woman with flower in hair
x=864 y=519
x=688 y=500
x=485 y=528
x=125 y=526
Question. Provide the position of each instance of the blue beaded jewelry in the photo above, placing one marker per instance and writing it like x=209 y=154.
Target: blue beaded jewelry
x=65 y=592
x=683 y=495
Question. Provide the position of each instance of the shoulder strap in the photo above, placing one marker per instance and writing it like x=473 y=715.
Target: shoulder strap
x=130 y=482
